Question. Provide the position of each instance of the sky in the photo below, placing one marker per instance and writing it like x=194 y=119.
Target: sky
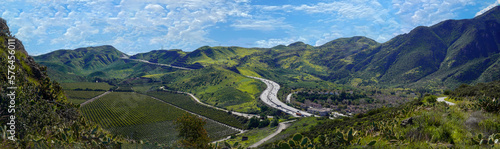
x=138 y=26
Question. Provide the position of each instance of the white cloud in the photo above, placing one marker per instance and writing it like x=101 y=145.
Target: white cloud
x=349 y=9
x=414 y=13
x=488 y=8
x=274 y=42
x=264 y=25
x=172 y=23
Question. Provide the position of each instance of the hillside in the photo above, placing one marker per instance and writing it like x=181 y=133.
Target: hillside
x=37 y=114
x=87 y=64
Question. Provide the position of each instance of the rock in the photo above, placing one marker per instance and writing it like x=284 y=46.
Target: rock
x=407 y=121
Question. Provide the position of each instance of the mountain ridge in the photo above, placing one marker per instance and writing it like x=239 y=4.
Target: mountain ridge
x=452 y=51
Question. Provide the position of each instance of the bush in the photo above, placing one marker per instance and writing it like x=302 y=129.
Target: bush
x=489 y=105
x=430 y=98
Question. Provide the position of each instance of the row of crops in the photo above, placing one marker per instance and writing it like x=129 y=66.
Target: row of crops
x=78 y=97
x=128 y=108
x=187 y=103
x=164 y=132
x=141 y=117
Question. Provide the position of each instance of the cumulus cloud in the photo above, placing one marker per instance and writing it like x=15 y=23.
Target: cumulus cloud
x=172 y=23
x=264 y=25
x=424 y=12
x=488 y=8
x=283 y=41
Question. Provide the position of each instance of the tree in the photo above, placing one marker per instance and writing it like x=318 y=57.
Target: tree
x=264 y=123
x=274 y=123
x=191 y=131
x=254 y=122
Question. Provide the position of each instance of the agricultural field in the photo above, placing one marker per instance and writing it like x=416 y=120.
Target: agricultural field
x=189 y=104
x=141 y=117
x=78 y=97
x=85 y=85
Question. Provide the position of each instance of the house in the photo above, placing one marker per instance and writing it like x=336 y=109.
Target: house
x=319 y=111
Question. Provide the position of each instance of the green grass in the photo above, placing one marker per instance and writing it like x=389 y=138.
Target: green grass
x=299 y=126
x=217 y=86
x=187 y=103
x=141 y=117
x=85 y=85
x=78 y=97
x=254 y=136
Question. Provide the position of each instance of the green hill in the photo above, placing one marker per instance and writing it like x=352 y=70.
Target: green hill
x=38 y=114
x=86 y=64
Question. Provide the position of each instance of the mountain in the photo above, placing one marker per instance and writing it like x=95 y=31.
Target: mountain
x=85 y=64
x=35 y=112
x=443 y=56
x=161 y=56
x=453 y=52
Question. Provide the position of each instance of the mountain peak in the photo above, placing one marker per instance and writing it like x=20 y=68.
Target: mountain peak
x=297 y=44
x=492 y=11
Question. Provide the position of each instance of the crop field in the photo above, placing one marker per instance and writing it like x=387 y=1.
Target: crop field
x=127 y=108
x=85 y=85
x=187 y=103
x=141 y=117
x=78 y=97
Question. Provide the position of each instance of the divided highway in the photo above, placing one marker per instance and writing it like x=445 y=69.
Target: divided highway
x=269 y=96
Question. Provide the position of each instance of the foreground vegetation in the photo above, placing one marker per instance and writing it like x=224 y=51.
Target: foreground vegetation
x=422 y=123
x=43 y=116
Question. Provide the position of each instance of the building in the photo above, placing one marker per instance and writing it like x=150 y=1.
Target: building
x=319 y=111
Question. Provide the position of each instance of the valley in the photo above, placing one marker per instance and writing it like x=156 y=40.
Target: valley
x=433 y=87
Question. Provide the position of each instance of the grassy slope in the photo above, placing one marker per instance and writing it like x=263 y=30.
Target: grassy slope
x=434 y=125
x=217 y=86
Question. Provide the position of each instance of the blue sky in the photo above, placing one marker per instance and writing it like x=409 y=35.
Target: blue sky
x=135 y=26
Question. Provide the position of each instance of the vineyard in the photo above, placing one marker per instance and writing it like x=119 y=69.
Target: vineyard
x=187 y=103
x=139 y=117
x=86 y=85
x=78 y=97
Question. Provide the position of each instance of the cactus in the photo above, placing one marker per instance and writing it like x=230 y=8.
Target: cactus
x=297 y=141
x=490 y=141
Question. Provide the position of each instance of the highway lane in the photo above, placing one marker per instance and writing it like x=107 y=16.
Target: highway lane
x=269 y=97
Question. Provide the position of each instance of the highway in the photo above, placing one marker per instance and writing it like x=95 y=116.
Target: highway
x=269 y=96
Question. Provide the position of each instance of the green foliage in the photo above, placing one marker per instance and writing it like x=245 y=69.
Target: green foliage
x=101 y=86
x=488 y=104
x=217 y=86
x=191 y=131
x=490 y=89
x=430 y=98
x=491 y=140
x=274 y=122
x=297 y=141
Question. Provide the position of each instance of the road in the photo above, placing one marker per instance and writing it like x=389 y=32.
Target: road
x=441 y=99
x=96 y=97
x=282 y=126
x=269 y=96
x=237 y=129
x=235 y=113
x=145 y=61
